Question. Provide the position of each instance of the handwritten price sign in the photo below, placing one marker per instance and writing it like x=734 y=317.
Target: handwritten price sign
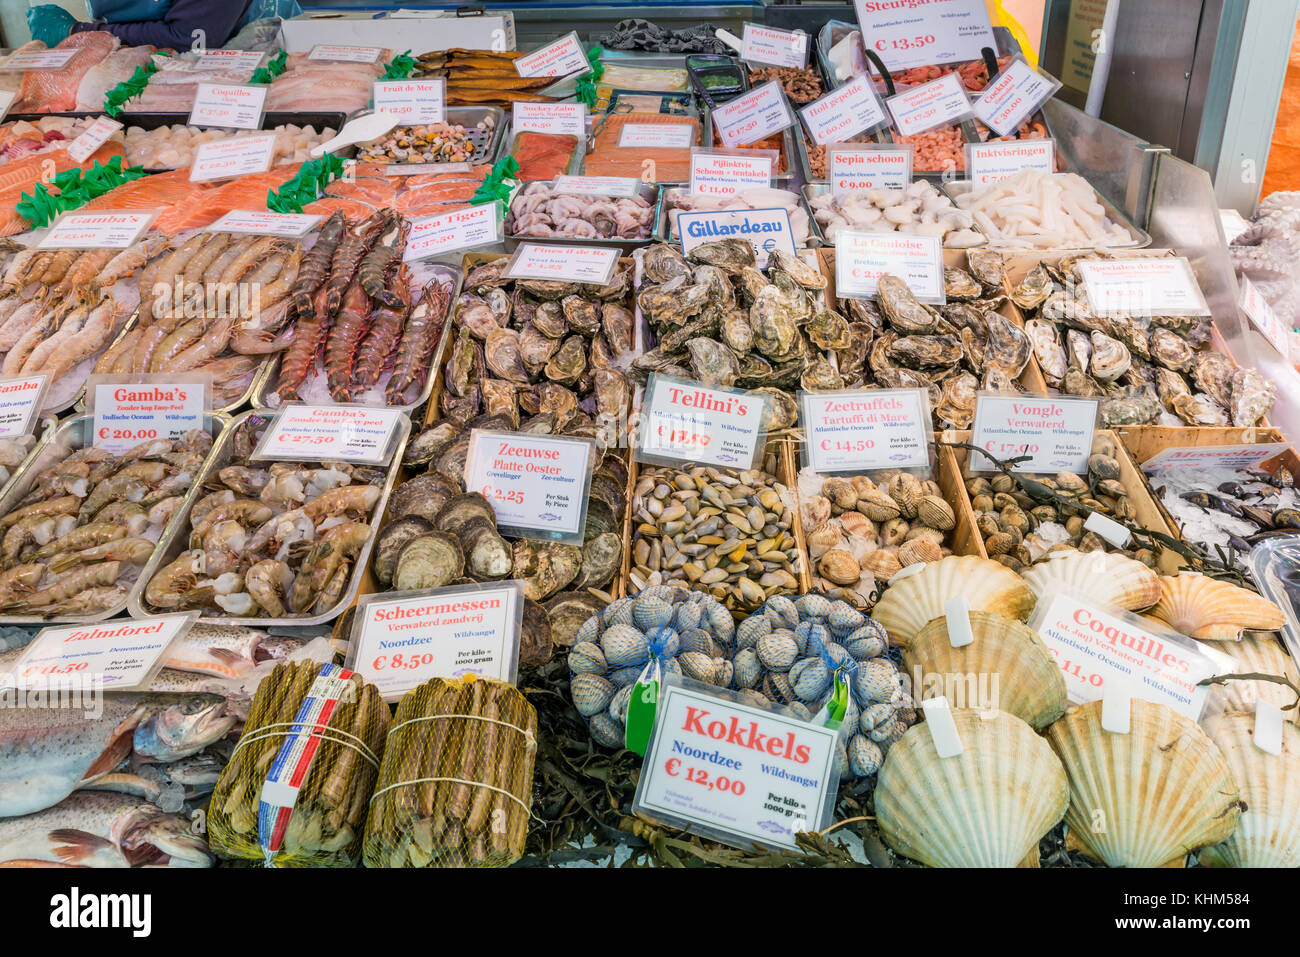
x=128 y=414
x=120 y=654
x=865 y=430
x=942 y=31
x=1056 y=433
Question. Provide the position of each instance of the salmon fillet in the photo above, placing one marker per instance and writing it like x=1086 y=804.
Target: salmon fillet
x=55 y=91
x=159 y=191
x=671 y=164
x=22 y=175
x=476 y=173
x=366 y=189
x=205 y=207
x=352 y=210
x=441 y=193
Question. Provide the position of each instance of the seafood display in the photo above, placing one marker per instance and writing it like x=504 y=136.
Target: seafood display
x=1242 y=510
x=432 y=143
x=658 y=164
x=173 y=147
x=800 y=85
x=942 y=149
x=483 y=77
x=56 y=90
x=21 y=138
x=538 y=210
x=543 y=156
x=919 y=209
x=175 y=84
x=1035 y=210
x=680 y=201
x=309 y=86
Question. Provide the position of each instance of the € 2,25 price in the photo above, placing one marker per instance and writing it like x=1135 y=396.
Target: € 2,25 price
x=131 y=435
x=400 y=662
x=701 y=777
x=513 y=496
x=904 y=43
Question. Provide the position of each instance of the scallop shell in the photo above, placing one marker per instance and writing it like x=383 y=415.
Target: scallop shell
x=985 y=807
x=1100 y=576
x=1257 y=656
x=1007 y=659
x=910 y=604
x=1213 y=610
x=1146 y=798
x=1269 y=832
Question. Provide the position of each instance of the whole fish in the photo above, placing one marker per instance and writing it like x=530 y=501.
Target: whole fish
x=170 y=785
x=226 y=651
x=102 y=829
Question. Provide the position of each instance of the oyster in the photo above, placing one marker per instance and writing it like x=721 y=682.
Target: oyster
x=1252 y=397
x=499 y=302
x=960 y=285
x=553 y=289
x=926 y=351
x=617 y=324
x=712 y=362
x=582 y=315
x=829 y=330
x=501 y=398
x=1078 y=382
x=1048 y=350
x=545 y=567
x=536 y=348
x=475 y=315
x=569 y=363
x=1132 y=334
x=956 y=407
x=719 y=285
x=1034 y=289
x=821 y=376
x=774 y=328
x=548 y=317
x=1129 y=410
x=737 y=333
x=904 y=312
x=1199 y=409
x=1170 y=349
x=1212 y=373
x=487 y=275
x=867 y=312
x=809 y=277
x=989 y=268
x=503 y=355
x=973 y=349
x=782 y=413
x=662 y=263
x=675 y=304
x=462 y=364
x=1008 y=346
x=1110 y=359
x=613 y=394
x=729 y=255
x=1169 y=386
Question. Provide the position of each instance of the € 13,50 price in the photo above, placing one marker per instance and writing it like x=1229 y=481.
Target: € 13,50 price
x=673 y=767
x=400 y=662
x=904 y=43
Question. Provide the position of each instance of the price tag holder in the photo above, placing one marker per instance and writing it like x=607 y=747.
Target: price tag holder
x=620 y=186
x=414 y=101
x=589 y=264
x=1164 y=286
x=114 y=655
x=863 y=430
x=908 y=35
x=766 y=230
x=96 y=135
x=657 y=136
x=940 y=102
x=20 y=402
x=102 y=229
x=1013 y=97
x=722 y=173
x=862 y=258
x=223 y=159
x=845 y=112
x=229 y=60
x=988 y=163
x=1093 y=645
x=689 y=422
x=563 y=119
x=229 y=106
x=536 y=483
x=327 y=433
x=753 y=116
x=1055 y=431
x=1238 y=457
x=771 y=47
x=474 y=228
x=401 y=640
x=264 y=223
x=130 y=408
x=345 y=54
x=38 y=60
x=851 y=168
x=417 y=169
x=6 y=101
x=563 y=58
x=1109 y=529
x=1259 y=312
x=734 y=773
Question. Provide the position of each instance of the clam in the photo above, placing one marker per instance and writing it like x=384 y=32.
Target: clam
x=1213 y=610
x=1268 y=834
x=909 y=605
x=1099 y=576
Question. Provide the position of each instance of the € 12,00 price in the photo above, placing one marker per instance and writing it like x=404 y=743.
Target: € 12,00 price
x=698 y=776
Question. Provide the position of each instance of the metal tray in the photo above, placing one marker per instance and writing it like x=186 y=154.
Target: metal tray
x=1140 y=237
x=71 y=435
x=805 y=165
x=262 y=394
x=821 y=189
x=664 y=235
x=76 y=398
x=649 y=191
x=486 y=142
x=575 y=161
x=634 y=59
x=45 y=428
x=174 y=537
x=835 y=30
x=788 y=148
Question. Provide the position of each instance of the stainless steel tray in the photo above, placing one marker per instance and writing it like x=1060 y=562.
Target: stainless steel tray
x=1140 y=237
x=575 y=161
x=649 y=191
x=45 y=429
x=70 y=435
x=262 y=392
x=174 y=538
x=821 y=189
x=486 y=142
x=805 y=165
x=663 y=233
x=653 y=61
x=788 y=149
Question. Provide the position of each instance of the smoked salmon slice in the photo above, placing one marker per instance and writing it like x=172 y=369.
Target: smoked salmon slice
x=22 y=175
x=664 y=164
x=476 y=173
x=543 y=155
x=352 y=210
x=440 y=193
x=207 y=206
x=55 y=91
x=367 y=189
x=160 y=191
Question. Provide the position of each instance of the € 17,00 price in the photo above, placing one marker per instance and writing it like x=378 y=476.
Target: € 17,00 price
x=400 y=662
x=673 y=767
x=513 y=496
x=1011 y=448
x=133 y=435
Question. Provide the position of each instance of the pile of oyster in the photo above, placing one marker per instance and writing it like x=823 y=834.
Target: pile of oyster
x=954 y=350
x=529 y=346
x=1148 y=369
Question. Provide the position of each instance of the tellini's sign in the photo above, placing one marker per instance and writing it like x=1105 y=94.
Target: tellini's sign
x=688 y=422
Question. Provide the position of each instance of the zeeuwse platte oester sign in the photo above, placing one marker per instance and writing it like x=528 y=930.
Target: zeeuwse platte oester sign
x=687 y=422
x=1055 y=431
x=316 y=433
x=124 y=654
x=867 y=429
x=537 y=484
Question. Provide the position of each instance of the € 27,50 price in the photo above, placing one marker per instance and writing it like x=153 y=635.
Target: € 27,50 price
x=133 y=435
x=701 y=777
x=400 y=662
x=513 y=496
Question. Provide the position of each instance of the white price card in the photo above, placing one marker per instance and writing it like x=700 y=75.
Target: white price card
x=988 y=163
x=766 y=230
x=722 y=173
x=657 y=136
x=562 y=119
x=345 y=54
x=940 y=102
x=867 y=429
x=128 y=413
x=845 y=112
x=851 y=168
x=38 y=60
x=685 y=421
x=417 y=169
x=328 y=433
x=1239 y=457
x=536 y=483
x=622 y=186
x=414 y=101
x=753 y=116
x=767 y=45
x=1054 y=431
x=862 y=258
x=20 y=401
x=223 y=159
x=229 y=59
x=564 y=57
x=229 y=106
x=266 y=223
x=113 y=655
x=1013 y=97
x=1092 y=645
x=470 y=228
x=400 y=641
x=1142 y=287
x=918 y=34
x=738 y=774
x=102 y=229
x=96 y=135
x=1258 y=311
x=6 y=101
x=589 y=264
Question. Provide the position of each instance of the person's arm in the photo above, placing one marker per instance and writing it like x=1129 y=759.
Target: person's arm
x=218 y=19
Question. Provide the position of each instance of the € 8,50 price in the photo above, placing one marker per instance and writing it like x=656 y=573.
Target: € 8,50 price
x=400 y=662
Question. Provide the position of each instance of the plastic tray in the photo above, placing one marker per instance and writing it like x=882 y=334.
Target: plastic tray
x=1273 y=562
x=664 y=235
x=649 y=191
x=486 y=142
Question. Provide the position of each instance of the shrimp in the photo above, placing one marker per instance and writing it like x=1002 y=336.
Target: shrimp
x=243 y=479
x=244 y=511
x=65 y=478
x=130 y=516
x=210 y=501
x=211 y=345
x=160 y=513
x=315 y=265
x=253 y=340
x=175 y=585
x=172 y=268
x=385 y=330
x=83 y=537
x=68 y=586
x=283 y=536
x=175 y=342
x=339 y=544
x=228 y=255
x=268 y=581
x=75 y=350
x=22 y=319
x=63 y=505
x=38 y=529
x=333 y=590
x=337 y=501
x=349 y=254
x=300 y=358
x=250 y=257
x=192 y=274
x=375 y=264
x=133 y=551
x=276 y=292
x=85 y=271
x=118 y=351
x=346 y=333
x=21 y=579
x=129 y=260
x=87 y=602
x=419 y=339
x=117 y=488
x=223 y=545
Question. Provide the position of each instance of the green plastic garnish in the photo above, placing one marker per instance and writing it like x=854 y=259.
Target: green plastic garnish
x=274 y=67
x=586 y=85
x=400 y=67
x=73 y=188
x=131 y=87
x=498 y=183
x=307 y=186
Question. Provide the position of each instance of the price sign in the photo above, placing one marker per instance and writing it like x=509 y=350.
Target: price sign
x=562 y=119
x=621 y=186
x=415 y=101
x=657 y=136
x=38 y=60
x=463 y=229
x=121 y=655
x=127 y=414
x=941 y=31
x=1013 y=97
x=1055 y=432
x=589 y=264
x=735 y=773
x=345 y=54
x=229 y=60
x=20 y=401
x=1142 y=287
x=229 y=106
x=940 y=102
x=536 y=483
x=564 y=57
x=851 y=168
x=988 y=163
x=688 y=422
x=103 y=229
x=417 y=169
x=319 y=433
x=724 y=173
x=753 y=116
x=1258 y=311
x=1238 y=457
x=845 y=112
x=96 y=135
x=862 y=258
x=864 y=430
x=401 y=641
x=1092 y=645
x=223 y=159
x=766 y=230
x=260 y=223
x=774 y=47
